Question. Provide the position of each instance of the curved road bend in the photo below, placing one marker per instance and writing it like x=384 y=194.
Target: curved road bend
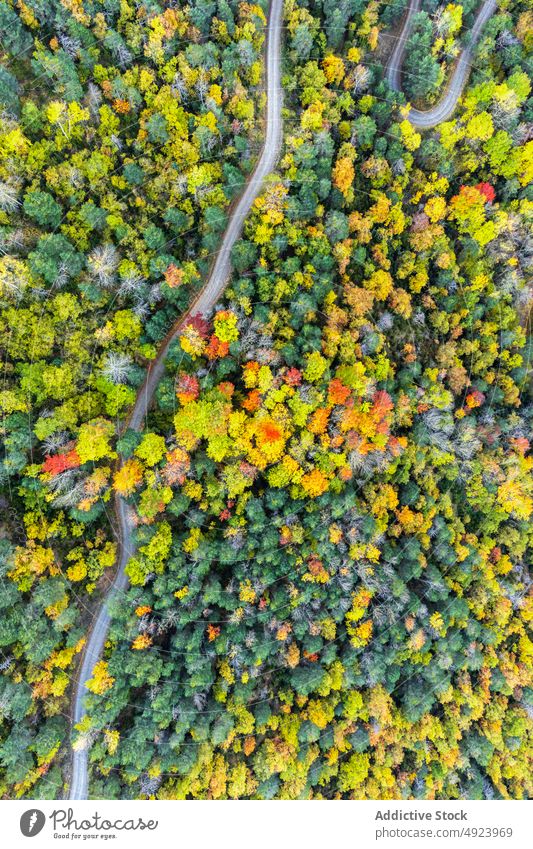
x=444 y=108
x=203 y=303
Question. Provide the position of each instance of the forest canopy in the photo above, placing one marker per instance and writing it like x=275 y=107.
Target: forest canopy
x=328 y=595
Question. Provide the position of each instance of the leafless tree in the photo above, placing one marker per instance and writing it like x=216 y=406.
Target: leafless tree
x=116 y=367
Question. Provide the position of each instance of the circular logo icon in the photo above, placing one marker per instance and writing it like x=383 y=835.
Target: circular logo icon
x=32 y=822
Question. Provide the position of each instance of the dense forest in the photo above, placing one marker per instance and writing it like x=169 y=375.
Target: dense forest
x=333 y=492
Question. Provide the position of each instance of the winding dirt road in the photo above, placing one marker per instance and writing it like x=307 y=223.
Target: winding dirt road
x=203 y=304
x=424 y=120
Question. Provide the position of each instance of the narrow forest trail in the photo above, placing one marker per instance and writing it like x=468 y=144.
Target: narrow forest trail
x=203 y=304
x=426 y=119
